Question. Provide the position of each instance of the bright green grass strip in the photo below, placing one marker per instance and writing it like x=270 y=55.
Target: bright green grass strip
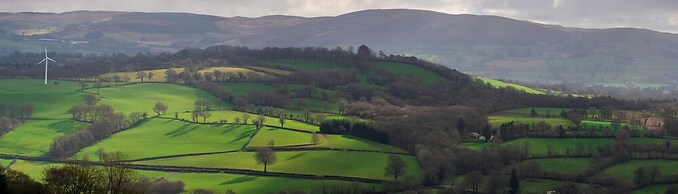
x=500 y=84
x=161 y=137
x=355 y=164
x=281 y=137
x=142 y=97
x=49 y=101
x=496 y=121
x=35 y=137
x=652 y=189
x=231 y=115
x=409 y=70
x=626 y=170
x=31 y=168
x=243 y=183
x=564 y=165
x=303 y=65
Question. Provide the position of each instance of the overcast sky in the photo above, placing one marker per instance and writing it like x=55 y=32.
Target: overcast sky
x=661 y=15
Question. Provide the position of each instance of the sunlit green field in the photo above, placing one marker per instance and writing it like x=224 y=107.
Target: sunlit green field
x=538 y=146
x=35 y=137
x=281 y=137
x=142 y=97
x=626 y=170
x=161 y=137
x=49 y=101
x=231 y=115
x=500 y=84
x=341 y=163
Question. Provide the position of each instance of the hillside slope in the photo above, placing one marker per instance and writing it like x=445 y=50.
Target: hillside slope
x=488 y=46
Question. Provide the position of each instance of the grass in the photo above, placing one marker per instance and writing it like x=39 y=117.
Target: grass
x=626 y=170
x=269 y=70
x=350 y=142
x=355 y=164
x=161 y=137
x=231 y=115
x=35 y=137
x=159 y=74
x=142 y=97
x=281 y=137
x=540 y=186
x=496 y=121
x=541 y=111
x=303 y=65
x=31 y=168
x=538 y=146
x=422 y=74
x=244 y=183
x=653 y=189
x=574 y=165
x=49 y=101
x=501 y=84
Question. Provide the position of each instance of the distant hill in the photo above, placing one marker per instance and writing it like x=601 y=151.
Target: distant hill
x=487 y=46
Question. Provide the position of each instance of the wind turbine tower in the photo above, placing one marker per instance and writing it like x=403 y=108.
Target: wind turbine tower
x=46 y=60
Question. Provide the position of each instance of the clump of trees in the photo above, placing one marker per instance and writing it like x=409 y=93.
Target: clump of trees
x=16 y=111
x=355 y=128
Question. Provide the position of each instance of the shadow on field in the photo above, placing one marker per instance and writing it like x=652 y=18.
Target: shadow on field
x=299 y=155
x=243 y=135
x=239 y=180
x=229 y=128
x=187 y=128
x=64 y=126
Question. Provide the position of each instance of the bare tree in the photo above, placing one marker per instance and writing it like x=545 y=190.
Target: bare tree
x=141 y=75
x=395 y=167
x=115 y=174
x=83 y=85
x=265 y=156
x=245 y=117
x=160 y=108
x=150 y=76
x=281 y=119
x=315 y=138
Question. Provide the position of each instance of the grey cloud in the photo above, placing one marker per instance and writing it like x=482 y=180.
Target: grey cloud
x=653 y=14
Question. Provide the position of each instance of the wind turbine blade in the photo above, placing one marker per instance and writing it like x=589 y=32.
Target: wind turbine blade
x=50 y=59
x=42 y=60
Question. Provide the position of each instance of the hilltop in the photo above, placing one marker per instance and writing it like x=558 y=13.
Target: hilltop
x=487 y=46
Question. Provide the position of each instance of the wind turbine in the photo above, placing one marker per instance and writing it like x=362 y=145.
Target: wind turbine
x=46 y=60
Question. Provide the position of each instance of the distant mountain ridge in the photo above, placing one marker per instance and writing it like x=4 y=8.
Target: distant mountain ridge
x=488 y=46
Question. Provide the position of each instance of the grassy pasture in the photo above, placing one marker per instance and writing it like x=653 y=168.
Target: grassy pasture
x=501 y=84
x=49 y=101
x=159 y=74
x=269 y=70
x=142 y=97
x=34 y=138
x=161 y=137
x=31 y=168
x=540 y=186
x=538 y=146
x=541 y=111
x=496 y=121
x=243 y=183
x=652 y=189
x=350 y=142
x=281 y=137
x=574 y=165
x=424 y=75
x=355 y=164
x=625 y=171
x=303 y=65
x=231 y=115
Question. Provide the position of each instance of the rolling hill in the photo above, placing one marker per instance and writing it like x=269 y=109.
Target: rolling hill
x=487 y=46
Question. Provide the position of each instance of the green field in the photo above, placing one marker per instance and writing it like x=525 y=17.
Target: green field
x=626 y=170
x=243 y=183
x=281 y=137
x=303 y=65
x=31 y=168
x=538 y=146
x=231 y=115
x=541 y=111
x=541 y=186
x=496 y=121
x=49 y=101
x=574 y=165
x=142 y=97
x=350 y=142
x=355 y=164
x=161 y=137
x=652 y=189
x=35 y=137
x=501 y=84
x=422 y=74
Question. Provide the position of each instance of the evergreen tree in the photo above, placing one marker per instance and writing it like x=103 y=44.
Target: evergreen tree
x=514 y=183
